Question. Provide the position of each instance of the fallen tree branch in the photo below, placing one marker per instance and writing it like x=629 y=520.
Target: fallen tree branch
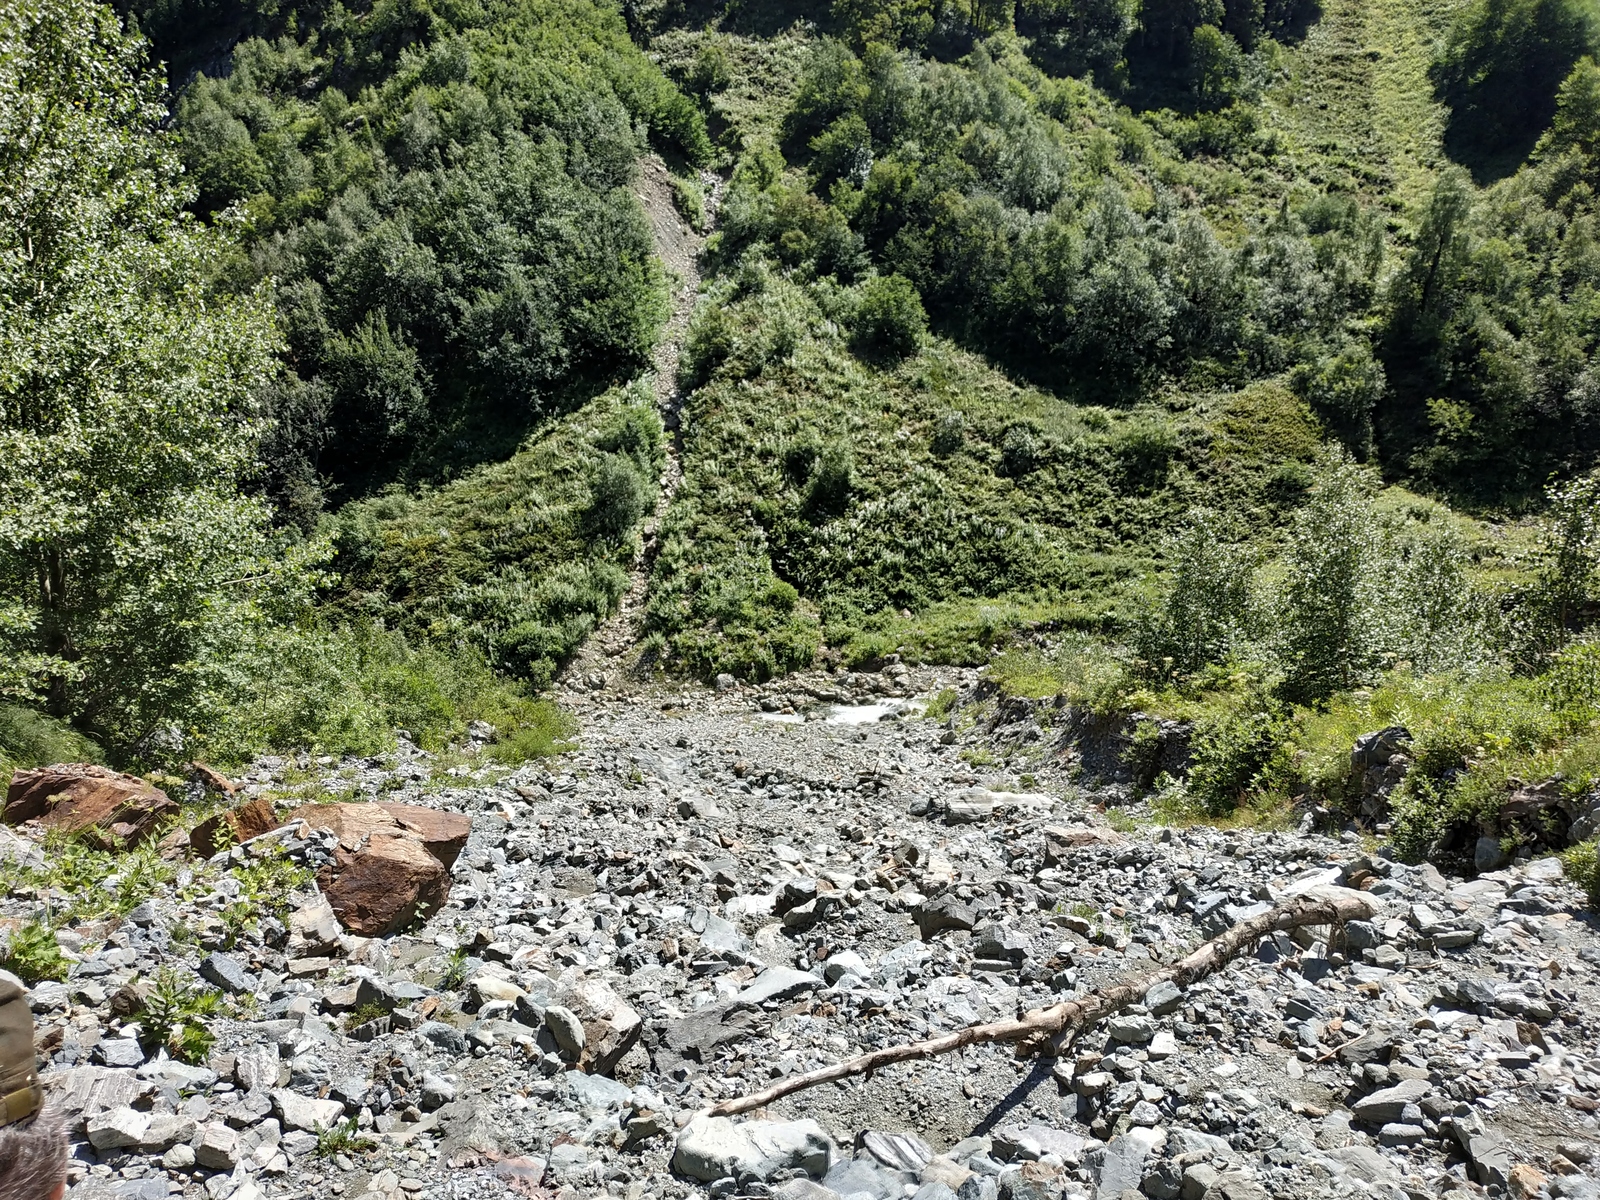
x=1058 y=1024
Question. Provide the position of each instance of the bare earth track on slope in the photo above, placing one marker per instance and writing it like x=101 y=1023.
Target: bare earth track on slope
x=678 y=246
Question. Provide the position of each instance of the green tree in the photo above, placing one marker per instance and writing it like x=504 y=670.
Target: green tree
x=1577 y=121
x=1079 y=37
x=1216 y=64
x=1328 y=604
x=884 y=22
x=1203 y=606
x=1569 y=572
x=130 y=564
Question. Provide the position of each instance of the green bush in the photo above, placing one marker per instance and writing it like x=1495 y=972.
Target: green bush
x=889 y=321
x=1240 y=756
x=32 y=953
x=949 y=434
x=1019 y=451
x=618 y=498
x=831 y=479
x=1582 y=865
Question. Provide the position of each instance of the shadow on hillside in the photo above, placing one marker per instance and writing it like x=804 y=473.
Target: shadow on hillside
x=1486 y=164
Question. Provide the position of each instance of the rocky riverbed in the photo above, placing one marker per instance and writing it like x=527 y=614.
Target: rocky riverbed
x=721 y=888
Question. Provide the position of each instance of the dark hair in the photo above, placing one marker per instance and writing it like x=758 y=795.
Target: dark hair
x=33 y=1157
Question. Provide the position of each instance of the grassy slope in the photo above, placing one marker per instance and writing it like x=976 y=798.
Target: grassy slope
x=505 y=547
x=1357 y=107
x=903 y=568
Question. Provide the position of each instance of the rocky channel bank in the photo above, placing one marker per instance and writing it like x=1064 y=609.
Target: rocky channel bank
x=719 y=889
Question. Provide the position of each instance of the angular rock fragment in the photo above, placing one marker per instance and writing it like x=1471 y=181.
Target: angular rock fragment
x=712 y=1148
x=943 y=912
x=610 y=1026
x=249 y=820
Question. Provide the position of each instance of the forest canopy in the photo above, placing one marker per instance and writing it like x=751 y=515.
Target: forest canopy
x=446 y=218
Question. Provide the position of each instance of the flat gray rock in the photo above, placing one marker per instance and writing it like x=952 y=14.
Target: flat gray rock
x=778 y=983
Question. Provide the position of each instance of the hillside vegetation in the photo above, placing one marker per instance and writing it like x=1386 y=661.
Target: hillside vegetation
x=1226 y=360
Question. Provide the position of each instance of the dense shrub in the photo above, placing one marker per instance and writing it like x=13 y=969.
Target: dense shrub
x=345 y=690
x=949 y=178
x=1490 y=387
x=1239 y=754
x=617 y=497
x=447 y=220
x=889 y=321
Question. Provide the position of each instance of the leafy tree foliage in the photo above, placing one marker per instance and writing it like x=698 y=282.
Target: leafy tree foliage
x=1203 y=610
x=130 y=565
x=968 y=197
x=446 y=214
x=1079 y=37
x=1489 y=347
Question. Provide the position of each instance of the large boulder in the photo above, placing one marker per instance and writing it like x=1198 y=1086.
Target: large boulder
x=116 y=811
x=443 y=834
x=392 y=863
x=610 y=1026
x=387 y=884
x=1543 y=816
x=1128 y=748
x=1586 y=821
x=712 y=1148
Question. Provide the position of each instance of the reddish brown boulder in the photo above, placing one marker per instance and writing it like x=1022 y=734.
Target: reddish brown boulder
x=392 y=864
x=251 y=819
x=114 y=810
x=384 y=886
x=444 y=833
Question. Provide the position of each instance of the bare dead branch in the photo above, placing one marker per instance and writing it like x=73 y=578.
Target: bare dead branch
x=1052 y=1029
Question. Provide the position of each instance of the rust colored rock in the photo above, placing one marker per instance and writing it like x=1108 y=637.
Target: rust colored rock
x=249 y=820
x=117 y=811
x=385 y=885
x=351 y=823
x=212 y=779
x=610 y=1026
x=392 y=865
x=444 y=833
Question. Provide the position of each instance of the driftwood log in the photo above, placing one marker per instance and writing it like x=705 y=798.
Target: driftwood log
x=1052 y=1029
